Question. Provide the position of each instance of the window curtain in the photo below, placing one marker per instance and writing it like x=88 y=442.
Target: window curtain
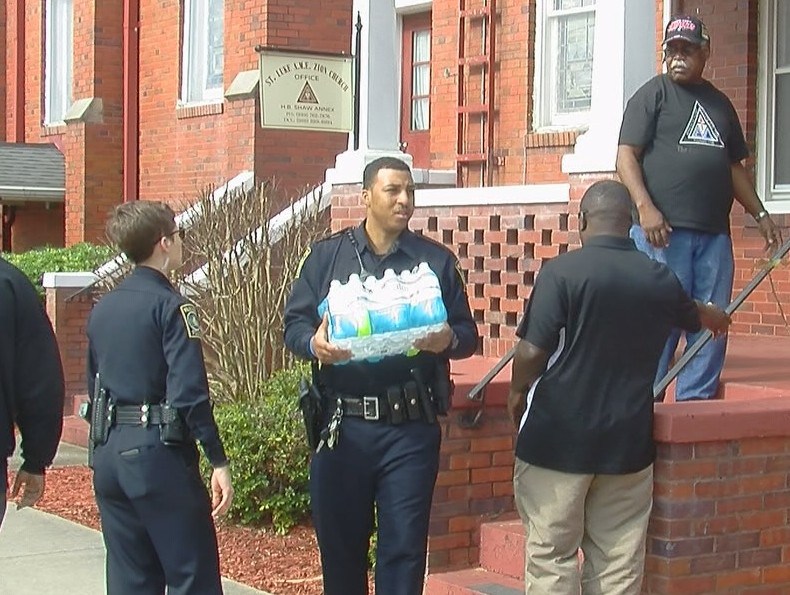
x=59 y=56
x=421 y=80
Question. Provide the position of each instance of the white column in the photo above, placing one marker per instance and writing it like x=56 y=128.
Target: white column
x=379 y=114
x=624 y=57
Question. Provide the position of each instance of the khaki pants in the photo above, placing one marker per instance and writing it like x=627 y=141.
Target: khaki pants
x=604 y=515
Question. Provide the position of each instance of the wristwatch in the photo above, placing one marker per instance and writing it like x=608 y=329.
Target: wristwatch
x=761 y=215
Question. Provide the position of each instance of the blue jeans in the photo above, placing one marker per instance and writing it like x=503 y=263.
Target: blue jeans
x=704 y=265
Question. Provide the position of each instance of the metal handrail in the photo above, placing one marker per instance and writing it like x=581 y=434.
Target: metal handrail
x=472 y=418
x=659 y=391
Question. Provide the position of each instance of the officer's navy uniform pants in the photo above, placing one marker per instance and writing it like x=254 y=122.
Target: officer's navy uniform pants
x=396 y=467
x=155 y=515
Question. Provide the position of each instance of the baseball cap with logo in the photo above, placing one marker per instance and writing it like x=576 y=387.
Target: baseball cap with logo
x=686 y=28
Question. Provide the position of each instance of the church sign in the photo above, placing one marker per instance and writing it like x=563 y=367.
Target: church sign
x=301 y=91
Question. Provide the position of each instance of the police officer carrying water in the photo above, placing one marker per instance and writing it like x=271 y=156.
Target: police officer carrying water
x=150 y=403
x=379 y=452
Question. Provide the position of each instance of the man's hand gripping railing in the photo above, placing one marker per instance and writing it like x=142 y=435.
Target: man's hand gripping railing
x=659 y=391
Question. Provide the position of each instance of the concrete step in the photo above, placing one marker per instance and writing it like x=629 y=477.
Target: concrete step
x=502 y=548
x=75 y=430
x=476 y=581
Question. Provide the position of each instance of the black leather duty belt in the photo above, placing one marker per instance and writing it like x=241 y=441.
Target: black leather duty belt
x=138 y=415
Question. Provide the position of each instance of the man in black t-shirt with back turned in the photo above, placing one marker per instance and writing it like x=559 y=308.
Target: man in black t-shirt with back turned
x=680 y=154
x=594 y=329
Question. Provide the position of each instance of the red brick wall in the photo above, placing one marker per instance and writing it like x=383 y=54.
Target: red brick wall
x=475 y=483
x=733 y=68
x=37 y=225
x=523 y=156
x=92 y=150
x=9 y=56
x=719 y=520
x=3 y=70
x=69 y=318
x=298 y=159
x=182 y=150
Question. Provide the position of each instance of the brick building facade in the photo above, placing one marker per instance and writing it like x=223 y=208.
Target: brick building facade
x=506 y=205
x=536 y=161
x=124 y=117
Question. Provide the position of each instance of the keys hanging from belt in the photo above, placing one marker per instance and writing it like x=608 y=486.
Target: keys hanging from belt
x=331 y=434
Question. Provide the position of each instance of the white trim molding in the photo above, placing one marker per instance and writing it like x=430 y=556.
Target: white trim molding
x=410 y=6
x=624 y=59
x=493 y=195
x=767 y=31
x=68 y=280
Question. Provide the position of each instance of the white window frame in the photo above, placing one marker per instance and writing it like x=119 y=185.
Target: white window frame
x=776 y=200
x=194 y=56
x=58 y=60
x=544 y=118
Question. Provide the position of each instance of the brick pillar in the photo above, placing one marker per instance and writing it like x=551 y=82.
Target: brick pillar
x=347 y=209
x=94 y=122
x=69 y=316
x=721 y=499
x=3 y=70
x=475 y=482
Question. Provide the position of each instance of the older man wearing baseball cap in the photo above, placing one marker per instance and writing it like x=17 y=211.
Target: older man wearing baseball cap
x=680 y=155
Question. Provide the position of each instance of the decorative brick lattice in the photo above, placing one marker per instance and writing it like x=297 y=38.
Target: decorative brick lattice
x=501 y=249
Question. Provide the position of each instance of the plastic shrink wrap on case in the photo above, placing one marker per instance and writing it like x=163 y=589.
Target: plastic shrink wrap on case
x=381 y=317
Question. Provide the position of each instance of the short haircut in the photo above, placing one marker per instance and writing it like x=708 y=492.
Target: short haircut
x=372 y=169
x=136 y=227
x=608 y=197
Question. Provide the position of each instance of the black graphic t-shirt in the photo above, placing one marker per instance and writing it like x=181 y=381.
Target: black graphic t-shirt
x=691 y=135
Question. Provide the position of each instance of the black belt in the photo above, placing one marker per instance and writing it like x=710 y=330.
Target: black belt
x=369 y=407
x=138 y=415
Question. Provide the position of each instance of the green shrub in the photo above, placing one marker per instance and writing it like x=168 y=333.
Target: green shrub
x=79 y=257
x=265 y=441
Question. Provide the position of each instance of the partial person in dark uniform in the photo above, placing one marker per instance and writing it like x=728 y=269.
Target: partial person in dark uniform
x=383 y=457
x=145 y=353
x=31 y=386
x=581 y=395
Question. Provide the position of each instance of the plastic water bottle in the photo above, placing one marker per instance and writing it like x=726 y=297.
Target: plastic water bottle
x=388 y=304
x=427 y=308
x=348 y=312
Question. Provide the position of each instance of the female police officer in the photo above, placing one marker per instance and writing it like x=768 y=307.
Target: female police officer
x=145 y=356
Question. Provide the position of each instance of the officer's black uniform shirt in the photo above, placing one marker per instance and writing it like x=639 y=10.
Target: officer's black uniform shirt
x=604 y=312
x=145 y=346
x=31 y=377
x=334 y=258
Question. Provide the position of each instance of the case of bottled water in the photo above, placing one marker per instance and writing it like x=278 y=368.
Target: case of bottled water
x=381 y=317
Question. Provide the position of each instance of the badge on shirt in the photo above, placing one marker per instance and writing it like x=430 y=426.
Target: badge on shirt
x=189 y=314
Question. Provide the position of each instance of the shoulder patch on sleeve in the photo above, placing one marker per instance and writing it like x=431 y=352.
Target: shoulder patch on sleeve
x=301 y=260
x=461 y=273
x=191 y=322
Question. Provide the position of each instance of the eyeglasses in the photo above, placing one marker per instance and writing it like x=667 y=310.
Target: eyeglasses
x=180 y=231
x=680 y=50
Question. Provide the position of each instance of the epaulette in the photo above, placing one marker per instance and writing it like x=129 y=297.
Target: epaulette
x=431 y=240
x=334 y=235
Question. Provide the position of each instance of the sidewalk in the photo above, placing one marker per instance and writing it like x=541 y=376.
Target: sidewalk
x=41 y=554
